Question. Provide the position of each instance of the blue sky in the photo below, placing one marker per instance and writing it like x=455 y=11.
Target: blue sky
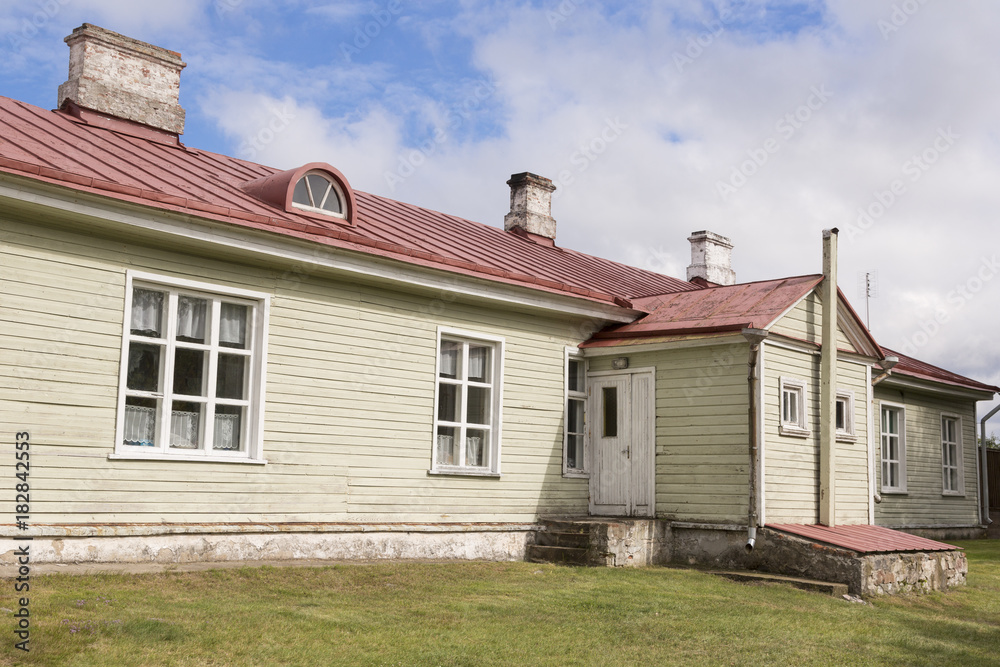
x=765 y=121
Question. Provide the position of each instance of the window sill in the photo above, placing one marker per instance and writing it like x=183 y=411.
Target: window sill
x=953 y=494
x=894 y=492
x=793 y=431
x=465 y=473
x=846 y=437
x=576 y=474
x=179 y=457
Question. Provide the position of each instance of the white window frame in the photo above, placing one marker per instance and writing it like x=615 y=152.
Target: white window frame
x=334 y=189
x=496 y=407
x=901 y=462
x=573 y=354
x=257 y=333
x=959 y=467
x=798 y=427
x=846 y=434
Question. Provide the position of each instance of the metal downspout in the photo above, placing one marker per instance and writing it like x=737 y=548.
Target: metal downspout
x=754 y=337
x=984 y=506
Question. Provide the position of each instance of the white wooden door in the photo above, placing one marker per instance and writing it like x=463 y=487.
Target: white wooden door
x=621 y=423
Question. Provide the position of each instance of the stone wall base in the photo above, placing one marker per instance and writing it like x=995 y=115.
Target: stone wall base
x=333 y=546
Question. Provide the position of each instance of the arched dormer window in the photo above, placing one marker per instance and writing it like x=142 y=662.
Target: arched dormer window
x=315 y=190
x=318 y=193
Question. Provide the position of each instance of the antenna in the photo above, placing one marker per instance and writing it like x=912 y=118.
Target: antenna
x=868 y=286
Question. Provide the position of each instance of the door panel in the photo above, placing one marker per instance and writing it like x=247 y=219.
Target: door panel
x=622 y=435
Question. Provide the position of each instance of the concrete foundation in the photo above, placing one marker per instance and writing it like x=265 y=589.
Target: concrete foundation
x=415 y=542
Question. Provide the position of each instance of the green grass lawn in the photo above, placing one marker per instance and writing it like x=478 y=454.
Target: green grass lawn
x=494 y=614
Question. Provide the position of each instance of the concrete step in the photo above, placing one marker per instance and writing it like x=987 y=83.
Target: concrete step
x=557 y=538
x=825 y=587
x=548 y=554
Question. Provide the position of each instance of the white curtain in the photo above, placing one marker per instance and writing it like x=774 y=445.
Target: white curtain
x=147 y=307
x=474 y=451
x=227 y=432
x=140 y=425
x=233 y=325
x=449 y=358
x=191 y=317
x=478 y=357
x=184 y=429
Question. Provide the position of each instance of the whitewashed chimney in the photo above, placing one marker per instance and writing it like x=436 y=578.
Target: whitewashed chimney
x=531 y=205
x=125 y=78
x=711 y=258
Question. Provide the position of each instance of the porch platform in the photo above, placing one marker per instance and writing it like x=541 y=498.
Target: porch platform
x=864 y=539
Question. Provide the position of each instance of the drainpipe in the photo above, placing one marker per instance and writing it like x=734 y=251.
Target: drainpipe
x=755 y=337
x=984 y=477
x=887 y=365
x=828 y=383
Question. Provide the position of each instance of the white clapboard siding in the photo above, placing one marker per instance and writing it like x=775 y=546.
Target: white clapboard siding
x=804 y=322
x=924 y=503
x=350 y=386
x=702 y=456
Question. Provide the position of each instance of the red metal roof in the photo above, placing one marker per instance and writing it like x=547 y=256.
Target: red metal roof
x=56 y=147
x=864 y=539
x=712 y=309
x=924 y=371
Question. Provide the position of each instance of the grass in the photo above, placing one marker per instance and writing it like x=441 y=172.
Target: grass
x=494 y=614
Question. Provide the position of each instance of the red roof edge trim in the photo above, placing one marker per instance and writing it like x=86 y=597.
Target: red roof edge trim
x=17 y=165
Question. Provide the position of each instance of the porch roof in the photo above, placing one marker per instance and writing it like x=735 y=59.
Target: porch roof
x=864 y=539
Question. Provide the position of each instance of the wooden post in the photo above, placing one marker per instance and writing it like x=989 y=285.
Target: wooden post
x=828 y=384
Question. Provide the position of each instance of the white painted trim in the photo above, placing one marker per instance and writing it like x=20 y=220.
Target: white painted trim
x=570 y=352
x=869 y=425
x=801 y=430
x=761 y=438
x=75 y=205
x=901 y=489
x=627 y=371
x=499 y=345
x=960 y=453
x=778 y=340
x=256 y=335
x=850 y=433
x=931 y=387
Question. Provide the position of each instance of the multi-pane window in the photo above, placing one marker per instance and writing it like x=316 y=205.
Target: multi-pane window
x=575 y=454
x=793 y=407
x=893 y=449
x=466 y=421
x=191 y=382
x=951 y=455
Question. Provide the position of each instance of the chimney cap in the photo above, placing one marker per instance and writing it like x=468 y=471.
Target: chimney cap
x=526 y=177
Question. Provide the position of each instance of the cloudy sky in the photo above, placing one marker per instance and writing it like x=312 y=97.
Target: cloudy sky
x=763 y=120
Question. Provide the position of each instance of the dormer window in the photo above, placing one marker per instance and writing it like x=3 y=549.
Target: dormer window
x=315 y=190
x=317 y=193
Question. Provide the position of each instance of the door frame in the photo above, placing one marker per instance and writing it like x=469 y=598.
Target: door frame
x=647 y=449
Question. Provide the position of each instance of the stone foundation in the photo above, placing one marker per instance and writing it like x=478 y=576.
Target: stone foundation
x=436 y=544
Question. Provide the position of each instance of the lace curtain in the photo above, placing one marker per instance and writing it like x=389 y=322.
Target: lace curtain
x=147 y=309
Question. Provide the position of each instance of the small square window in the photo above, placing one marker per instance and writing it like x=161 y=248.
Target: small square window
x=845 y=416
x=793 y=407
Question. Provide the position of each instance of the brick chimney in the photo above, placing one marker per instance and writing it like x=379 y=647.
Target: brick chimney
x=531 y=208
x=124 y=78
x=711 y=259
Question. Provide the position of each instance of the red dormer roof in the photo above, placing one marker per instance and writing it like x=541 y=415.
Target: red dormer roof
x=56 y=147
